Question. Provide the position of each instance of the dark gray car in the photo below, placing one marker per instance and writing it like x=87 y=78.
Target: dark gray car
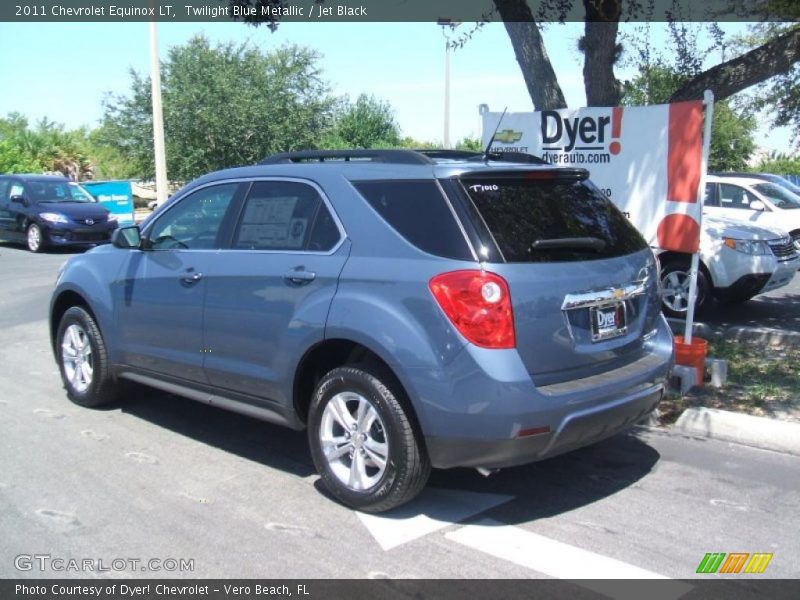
x=408 y=311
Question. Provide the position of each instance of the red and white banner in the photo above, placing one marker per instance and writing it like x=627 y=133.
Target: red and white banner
x=646 y=159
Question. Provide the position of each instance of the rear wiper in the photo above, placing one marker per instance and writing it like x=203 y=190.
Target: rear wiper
x=579 y=243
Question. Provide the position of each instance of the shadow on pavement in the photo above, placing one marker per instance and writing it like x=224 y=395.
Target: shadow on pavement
x=540 y=490
x=258 y=441
x=776 y=312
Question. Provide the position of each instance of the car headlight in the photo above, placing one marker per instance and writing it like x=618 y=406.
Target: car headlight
x=756 y=247
x=53 y=217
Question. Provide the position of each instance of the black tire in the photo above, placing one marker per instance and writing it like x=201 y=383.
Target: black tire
x=34 y=238
x=676 y=304
x=406 y=467
x=101 y=388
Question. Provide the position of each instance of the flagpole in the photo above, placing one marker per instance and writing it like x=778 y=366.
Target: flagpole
x=708 y=103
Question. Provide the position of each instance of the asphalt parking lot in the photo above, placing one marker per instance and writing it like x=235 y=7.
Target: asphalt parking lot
x=161 y=477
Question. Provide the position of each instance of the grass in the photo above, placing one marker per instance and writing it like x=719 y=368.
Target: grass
x=762 y=381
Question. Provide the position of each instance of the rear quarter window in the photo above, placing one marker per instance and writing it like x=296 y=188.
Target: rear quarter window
x=518 y=213
x=420 y=213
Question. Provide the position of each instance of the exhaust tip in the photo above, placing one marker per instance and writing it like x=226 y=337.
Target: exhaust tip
x=486 y=472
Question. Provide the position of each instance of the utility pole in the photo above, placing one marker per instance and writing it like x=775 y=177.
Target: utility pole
x=162 y=193
x=445 y=23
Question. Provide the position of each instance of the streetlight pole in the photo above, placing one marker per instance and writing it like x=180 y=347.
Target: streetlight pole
x=158 y=118
x=445 y=24
x=447 y=93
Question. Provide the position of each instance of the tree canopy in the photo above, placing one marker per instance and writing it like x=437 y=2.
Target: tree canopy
x=224 y=105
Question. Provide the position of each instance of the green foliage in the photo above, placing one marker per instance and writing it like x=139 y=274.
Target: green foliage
x=45 y=147
x=779 y=164
x=414 y=144
x=365 y=123
x=731 y=129
x=470 y=144
x=224 y=105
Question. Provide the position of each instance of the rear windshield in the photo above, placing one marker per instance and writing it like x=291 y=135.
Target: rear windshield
x=552 y=220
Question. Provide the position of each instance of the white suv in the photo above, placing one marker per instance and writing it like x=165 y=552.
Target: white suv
x=737 y=261
x=755 y=201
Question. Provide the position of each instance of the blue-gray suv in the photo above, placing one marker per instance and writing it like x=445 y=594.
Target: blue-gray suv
x=410 y=310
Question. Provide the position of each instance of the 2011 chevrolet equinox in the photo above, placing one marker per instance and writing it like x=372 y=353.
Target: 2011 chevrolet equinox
x=409 y=310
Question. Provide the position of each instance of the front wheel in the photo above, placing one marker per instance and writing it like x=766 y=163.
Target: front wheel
x=83 y=360
x=35 y=238
x=362 y=441
x=675 y=285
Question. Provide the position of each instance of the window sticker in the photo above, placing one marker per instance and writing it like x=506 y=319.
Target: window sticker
x=268 y=223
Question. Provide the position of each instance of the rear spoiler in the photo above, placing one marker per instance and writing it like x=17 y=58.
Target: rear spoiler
x=539 y=174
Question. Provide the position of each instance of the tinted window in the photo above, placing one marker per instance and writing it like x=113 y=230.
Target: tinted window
x=527 y=218
x=194 y=221
x=733 y=196
x=325 y=234
x=4 y=183
x=277 y=215
x=708 y=195
x=418 y=211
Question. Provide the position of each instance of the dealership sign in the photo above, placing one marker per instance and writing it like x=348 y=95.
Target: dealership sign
x=646 y=159
x=116 y=196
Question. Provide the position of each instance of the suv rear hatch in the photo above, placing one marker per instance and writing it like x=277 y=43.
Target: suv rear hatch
x=582 y=280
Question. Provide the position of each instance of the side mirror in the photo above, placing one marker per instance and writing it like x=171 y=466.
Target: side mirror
x=757 y=205
x=18 y=199
x=127 y=238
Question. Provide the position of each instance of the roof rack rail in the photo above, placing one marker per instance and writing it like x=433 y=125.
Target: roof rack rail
x=407 y=157
x=476 y=156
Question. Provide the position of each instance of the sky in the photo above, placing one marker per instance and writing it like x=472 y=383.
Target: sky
x=63 y=70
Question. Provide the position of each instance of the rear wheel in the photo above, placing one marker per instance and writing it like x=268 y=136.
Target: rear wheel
x=83 y=361
x=35 y=238
x=675 y=284
x=362 y=441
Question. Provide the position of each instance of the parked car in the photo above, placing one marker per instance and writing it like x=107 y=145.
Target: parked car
x=737 y=262
x=756 y=201
x=776 y=179
x=409 y=311
x=48 y=210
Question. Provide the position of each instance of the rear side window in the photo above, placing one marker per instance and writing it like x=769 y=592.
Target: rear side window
x=419 y=212
x=552 y=220
x=285 y=215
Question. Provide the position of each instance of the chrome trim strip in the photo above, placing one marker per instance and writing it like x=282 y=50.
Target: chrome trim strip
x=605 y=296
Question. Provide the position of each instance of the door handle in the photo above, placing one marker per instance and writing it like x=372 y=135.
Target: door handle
x=300 y=276
x=191 y=279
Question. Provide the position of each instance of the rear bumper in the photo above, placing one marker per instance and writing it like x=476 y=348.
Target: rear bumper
x=485 y=411
x=577 y=430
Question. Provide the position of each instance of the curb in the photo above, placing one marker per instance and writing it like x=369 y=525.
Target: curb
x=763 y=335
x=759 y=432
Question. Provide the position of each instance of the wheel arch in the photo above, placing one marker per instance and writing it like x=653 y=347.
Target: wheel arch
x=65 y=300
x=338 y=352
x=671 y=256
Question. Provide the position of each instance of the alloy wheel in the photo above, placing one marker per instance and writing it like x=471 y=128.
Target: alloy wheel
x=77 y=358
x=353 y=440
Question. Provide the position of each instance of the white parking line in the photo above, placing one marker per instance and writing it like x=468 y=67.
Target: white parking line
x=432 y=510
x=554 y=558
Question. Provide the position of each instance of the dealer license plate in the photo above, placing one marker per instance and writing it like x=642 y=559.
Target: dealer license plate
x=608 y=321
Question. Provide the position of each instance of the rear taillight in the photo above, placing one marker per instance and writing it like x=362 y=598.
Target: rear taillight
x=478 y=304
